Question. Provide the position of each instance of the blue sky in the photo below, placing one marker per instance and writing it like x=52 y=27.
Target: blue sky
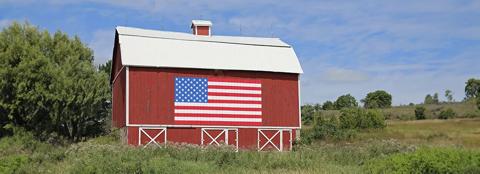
x=409 y=48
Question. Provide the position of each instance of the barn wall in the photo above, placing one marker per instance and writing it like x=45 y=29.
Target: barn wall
x=152 y=94
x=118 y=92
x=118 y=103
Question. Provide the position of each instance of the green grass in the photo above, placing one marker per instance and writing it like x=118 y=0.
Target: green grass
x=462 y=110
x=455 y=132
x=22 y=154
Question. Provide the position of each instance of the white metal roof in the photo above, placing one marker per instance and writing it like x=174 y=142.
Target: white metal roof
x=201 y=23
x=152 y=48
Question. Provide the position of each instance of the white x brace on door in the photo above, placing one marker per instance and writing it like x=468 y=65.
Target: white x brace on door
x=215 y=136
x=152 y=139
x=262 y=134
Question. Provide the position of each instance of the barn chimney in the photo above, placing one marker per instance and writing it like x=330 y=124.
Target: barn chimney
x=201 y=27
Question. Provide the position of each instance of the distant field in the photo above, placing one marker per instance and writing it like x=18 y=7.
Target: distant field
x=455 y=132
x=461 y=109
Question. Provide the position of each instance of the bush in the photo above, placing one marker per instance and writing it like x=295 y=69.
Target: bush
x=10 y=164
x=420 y=113
x=447 y=114
x=345 y=126
x=434 y=160
x=361 y=119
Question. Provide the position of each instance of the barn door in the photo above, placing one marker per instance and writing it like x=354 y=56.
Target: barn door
x=152 y=136
x=219 y=136
x=274 y=139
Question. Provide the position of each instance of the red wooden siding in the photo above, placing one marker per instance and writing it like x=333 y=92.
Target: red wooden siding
x=152 y=94
x=118 y=91
x=203 y=30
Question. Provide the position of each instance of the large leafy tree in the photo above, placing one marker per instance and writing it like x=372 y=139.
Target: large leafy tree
x=49 y=85
x=377 y=99
x=345 y=101
x=472 y=88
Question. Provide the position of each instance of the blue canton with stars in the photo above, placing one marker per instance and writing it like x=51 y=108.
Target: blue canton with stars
x=188 y=89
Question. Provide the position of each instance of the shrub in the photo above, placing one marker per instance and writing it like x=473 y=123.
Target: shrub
x=472 y=114
x=428 y=160
x=420 y=113
x=361 y=119
x=307 y=114
x=447 y=114
x=324 y=128
x=10 y=164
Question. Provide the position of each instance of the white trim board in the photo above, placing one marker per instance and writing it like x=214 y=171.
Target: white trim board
x=208 y=126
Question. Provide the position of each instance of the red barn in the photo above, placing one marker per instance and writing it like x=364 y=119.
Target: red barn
x=171 y=87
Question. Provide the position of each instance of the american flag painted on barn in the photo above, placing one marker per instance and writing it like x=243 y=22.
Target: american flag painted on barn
x=218 y=101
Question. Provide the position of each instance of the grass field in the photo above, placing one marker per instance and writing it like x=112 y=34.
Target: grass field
x=456 y=132
x=462 y=110
x=23 y=154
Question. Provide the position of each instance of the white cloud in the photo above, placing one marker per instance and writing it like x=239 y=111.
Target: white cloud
x=102 y=45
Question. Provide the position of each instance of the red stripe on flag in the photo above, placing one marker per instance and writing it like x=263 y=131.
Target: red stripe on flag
x=227 y=123
x=217 y=115
x=217 y=108
x=235 y=101
x=233 y=87
x=233 y=94
x=234 y=80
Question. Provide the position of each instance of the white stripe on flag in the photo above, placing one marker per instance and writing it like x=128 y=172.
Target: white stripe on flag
x=238 y=91
x=218 y=119
x=225 y=112
x=230 y=105
x=235 y=84
x=234 y=98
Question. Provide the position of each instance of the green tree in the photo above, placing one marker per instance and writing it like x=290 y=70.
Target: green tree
x=435 y=98
x=307 y=113
x=472 y=88
x=328 y=105
x=345 y=101
x=49 y=84
x=106 y=68
x=428 y=99
x=377 y=99
x=449 y=95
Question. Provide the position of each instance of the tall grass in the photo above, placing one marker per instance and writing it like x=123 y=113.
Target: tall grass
x=23 y=154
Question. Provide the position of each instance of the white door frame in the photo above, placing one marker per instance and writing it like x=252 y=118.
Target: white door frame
x=279 y=132
x=141 y=130
x=224 y=132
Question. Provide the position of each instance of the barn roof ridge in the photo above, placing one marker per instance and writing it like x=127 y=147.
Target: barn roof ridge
x=243 y=40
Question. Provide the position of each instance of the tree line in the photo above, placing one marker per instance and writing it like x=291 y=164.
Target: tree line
x=381 y=99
